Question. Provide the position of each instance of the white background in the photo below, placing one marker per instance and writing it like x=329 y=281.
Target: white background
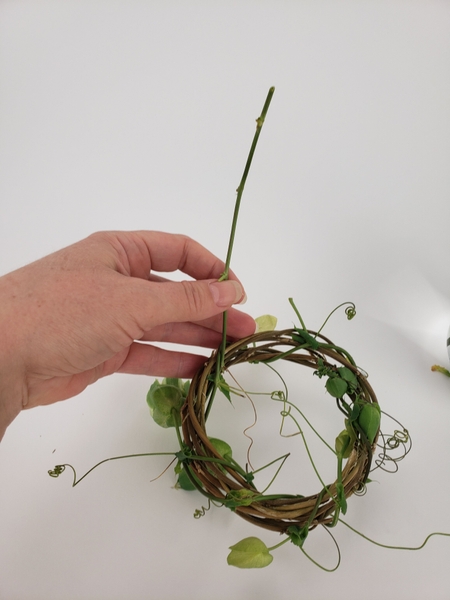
x=139 y=114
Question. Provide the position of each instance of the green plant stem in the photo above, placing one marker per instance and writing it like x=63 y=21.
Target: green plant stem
x=288 y=414
x=76 y=481
x=318 y=564
x=284 y=458
x=231 y=464
x=272 y=462
x=221 y=353
x=349 y=304
x=394 y=547
x=297 y=312
x=300 y=431
x=259 y=123
x=440 y=369
x=278 y=545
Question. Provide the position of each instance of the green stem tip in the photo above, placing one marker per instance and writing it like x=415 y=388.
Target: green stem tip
x=441 y=370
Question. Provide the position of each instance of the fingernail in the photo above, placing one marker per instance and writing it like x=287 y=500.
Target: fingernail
x=226 y=293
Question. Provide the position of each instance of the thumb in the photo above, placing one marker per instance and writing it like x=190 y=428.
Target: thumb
x=176 y=302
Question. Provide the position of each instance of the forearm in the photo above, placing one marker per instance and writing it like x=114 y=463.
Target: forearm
x=11 y=385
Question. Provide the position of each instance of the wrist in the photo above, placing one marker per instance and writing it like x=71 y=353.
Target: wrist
x=10 y=404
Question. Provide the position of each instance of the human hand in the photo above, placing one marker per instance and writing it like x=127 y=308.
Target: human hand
x=83 y=312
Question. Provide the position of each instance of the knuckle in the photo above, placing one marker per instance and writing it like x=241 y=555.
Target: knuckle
x=194 y=297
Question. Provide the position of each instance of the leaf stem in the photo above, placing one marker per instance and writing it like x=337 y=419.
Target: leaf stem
x=278 y=545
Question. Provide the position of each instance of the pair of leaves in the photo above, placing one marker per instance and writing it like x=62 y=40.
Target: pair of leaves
x=165 y=400
x=341 y=381
x=368 y=417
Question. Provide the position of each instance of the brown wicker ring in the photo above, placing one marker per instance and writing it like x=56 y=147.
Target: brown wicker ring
x=218 y=482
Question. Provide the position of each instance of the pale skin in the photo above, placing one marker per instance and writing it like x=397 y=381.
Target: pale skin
x=86 y=311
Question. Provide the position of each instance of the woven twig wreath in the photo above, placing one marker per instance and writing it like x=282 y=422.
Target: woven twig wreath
x=217 y=481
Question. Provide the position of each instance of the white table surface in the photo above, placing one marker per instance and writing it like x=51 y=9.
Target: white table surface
x=132 y=115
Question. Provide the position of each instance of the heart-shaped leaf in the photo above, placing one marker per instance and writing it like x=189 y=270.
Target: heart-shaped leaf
x=348 y=375
x=336 y=387
x=222 y=448
x=369 y=420
x=184 y=482
x=343 y=444
x=249 y=553
x=266 y=323
x=165 y=401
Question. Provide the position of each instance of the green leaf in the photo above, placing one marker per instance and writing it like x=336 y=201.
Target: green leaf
x=183 y=454
x=185 y=387
x=165 y=401
x=303 y=337
x=183 y=482
x=343 y=444
x=297 y=534
x=266 y=323
x=351 y=432
x=241 y=497
x=356 y=409
x=348 y=375
x=323 y=370
x=222 y=448
x=336 y=387
x=249 y=553
x=369 y=420
x=224 y=387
